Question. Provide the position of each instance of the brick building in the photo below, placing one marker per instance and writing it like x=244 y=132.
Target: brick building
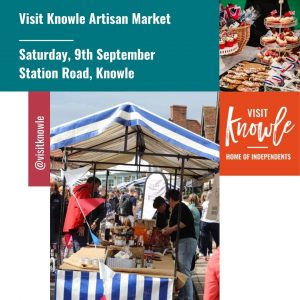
x=207 y=128
x=208 y=121
x=178 y=116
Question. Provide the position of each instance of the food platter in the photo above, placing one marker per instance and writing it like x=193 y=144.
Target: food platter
x=246 y=76
x=280 y=25
x=275 y=46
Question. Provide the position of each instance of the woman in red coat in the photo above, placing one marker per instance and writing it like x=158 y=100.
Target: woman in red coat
x=74 y=222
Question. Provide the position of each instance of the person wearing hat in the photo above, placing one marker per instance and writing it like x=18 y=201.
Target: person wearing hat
x=162 y=214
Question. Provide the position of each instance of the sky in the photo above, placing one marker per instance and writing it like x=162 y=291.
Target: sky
x=68 y=106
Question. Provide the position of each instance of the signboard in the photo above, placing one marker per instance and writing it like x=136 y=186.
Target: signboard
x=155 y=185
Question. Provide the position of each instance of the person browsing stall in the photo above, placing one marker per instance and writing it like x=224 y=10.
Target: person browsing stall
x=192 y=200
x=162 y=214
x=55 y=205
x=128 y=205
x=209 y=227
x=187 y=239
x=74 y=222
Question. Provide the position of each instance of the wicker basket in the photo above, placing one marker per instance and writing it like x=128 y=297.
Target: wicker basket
x=243 y=33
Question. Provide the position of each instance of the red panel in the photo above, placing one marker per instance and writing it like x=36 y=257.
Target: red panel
x=38 y=138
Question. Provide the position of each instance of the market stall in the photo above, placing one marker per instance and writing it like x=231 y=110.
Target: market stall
x=114 y=137
x=274 y=65
x=74 y=278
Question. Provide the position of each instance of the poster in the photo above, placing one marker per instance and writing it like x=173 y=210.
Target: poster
x=155 y=186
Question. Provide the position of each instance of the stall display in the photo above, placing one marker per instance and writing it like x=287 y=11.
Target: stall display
x=237 y=22
x=245 y=77
x=152 y=276
x=284 y=75
x=276 y=20
x=281 y=52
x=286 y=40
x=124 y=257
x=278 y=68
x=228 y=42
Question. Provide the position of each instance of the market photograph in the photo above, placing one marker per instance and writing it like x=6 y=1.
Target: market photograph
x=259 y=45
x=134 y=195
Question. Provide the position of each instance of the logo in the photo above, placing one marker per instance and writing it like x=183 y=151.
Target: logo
x=237 y=128
x=259 y=133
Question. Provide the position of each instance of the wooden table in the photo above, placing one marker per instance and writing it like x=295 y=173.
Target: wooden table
x=73 y=281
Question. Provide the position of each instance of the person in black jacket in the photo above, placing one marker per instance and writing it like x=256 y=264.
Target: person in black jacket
x=264 y=7
x=187 y=242
x=55 y=205
x=162 y=214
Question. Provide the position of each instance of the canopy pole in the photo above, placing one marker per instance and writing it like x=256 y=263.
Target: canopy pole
x=126 y=138
x=93 y=195
x=136 y=148
x=179 y=215
x=175 y=180
x=62 y=210
x=170 y=183
x=106 y=191
x=94 y=177
x=140 y=160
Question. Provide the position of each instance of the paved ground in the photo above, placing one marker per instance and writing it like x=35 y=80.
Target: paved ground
x=198 y=278
x=51 y=290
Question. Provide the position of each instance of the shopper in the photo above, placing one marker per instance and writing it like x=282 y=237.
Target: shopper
x=114 y=201
x=162 y=214
x=212 y=278
x=187 y=240
x=55 y=207
x=209 y=226
x=128 y=205
x=74 y=223
x=110 y=202
x=264 y=7
x=67 y=192
x=205 y=239
x=192 y=200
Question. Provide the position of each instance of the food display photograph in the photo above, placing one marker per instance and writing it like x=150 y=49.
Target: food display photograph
x=259 y=44
x=245 y=77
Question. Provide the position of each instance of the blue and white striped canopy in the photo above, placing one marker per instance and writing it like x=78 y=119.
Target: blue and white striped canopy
x=106 y=130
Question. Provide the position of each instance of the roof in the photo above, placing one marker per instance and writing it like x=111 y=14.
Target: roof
x=105 y=130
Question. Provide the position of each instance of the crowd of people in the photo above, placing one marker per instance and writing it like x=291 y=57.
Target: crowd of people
x=196 y=234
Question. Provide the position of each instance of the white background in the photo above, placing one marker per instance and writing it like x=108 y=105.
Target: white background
x=260 y=224
x=260 y=238
x=25 y=215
